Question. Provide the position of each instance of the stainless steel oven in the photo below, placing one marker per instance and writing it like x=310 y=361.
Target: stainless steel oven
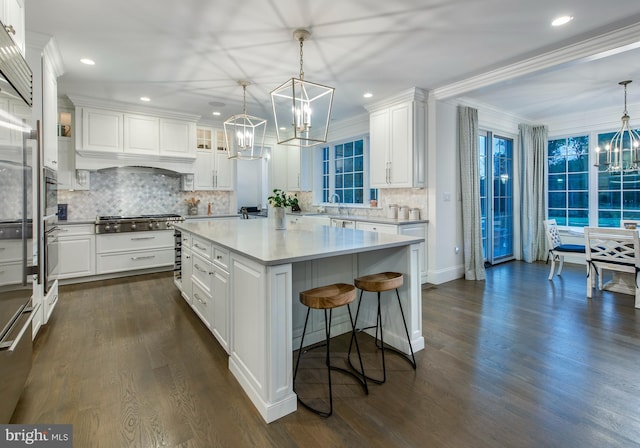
x=50 y=184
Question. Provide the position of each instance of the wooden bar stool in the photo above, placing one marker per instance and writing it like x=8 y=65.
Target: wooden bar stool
x=385 y=281
x=327 y=298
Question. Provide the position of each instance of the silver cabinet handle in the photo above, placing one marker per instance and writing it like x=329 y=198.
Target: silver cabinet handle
x=204 y=302
x=53 y=300
x=144 y=238
x=199 y=247
x=24 y=328
x=219 y=257
x=147 y=257
x=10 y=29
x=197 y=266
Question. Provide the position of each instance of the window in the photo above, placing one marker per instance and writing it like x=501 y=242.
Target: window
x=345 y=173
x=568 y=180
x=618 y=192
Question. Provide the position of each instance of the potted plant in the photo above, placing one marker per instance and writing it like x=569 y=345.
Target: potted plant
x=279 y=200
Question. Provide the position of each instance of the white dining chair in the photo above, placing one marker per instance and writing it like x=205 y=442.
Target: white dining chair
x=557 y=250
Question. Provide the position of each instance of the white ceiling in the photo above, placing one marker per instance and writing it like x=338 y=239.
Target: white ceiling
x=187 y=54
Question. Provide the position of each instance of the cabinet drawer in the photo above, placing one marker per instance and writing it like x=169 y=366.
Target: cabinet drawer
x=134 y=241
x=202 y=304
x=129 y=261
x=374 y=227
x=186 y=239
x=202 y=247
x=202 y=272
x=221 y=257
x=76 y=229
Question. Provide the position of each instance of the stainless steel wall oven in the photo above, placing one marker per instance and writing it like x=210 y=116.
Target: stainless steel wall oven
x=50 y=184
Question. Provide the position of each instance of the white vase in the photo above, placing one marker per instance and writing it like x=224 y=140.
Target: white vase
x=279 y=218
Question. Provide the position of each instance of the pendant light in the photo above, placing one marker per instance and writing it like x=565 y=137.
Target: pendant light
x=623 y=151
x=244 y=133
x=302 y=109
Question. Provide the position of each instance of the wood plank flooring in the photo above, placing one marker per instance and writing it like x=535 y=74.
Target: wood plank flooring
x=516 y=361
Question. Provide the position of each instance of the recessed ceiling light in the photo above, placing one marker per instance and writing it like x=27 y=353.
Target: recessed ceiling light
x=145 y=98
x=368 y=95
x=283 y=128
x=88 y=61
x=216 y=113
x=562 y=20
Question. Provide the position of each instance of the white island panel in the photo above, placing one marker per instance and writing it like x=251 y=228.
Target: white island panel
x=269 y=268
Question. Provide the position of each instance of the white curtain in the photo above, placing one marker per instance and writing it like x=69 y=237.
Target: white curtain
x=470 y=186
x=533 y=142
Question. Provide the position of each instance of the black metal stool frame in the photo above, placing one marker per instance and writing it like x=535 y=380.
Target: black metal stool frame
x=362 y=379
x=381 y=346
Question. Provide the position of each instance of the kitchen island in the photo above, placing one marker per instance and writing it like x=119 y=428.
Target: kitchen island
x=252 y=275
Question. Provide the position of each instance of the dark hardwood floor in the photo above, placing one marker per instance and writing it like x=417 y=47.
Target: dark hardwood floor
x=516 y=361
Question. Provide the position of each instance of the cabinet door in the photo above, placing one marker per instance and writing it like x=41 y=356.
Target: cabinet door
x=375 y=227
x=419 y=230
x=76 y=256
x=66 y=164
x=141 y=134
x=49 y=116
x=278 y=165
x=177 y=138
x=102 y=130
x=186 y=265
x=379 y=148
x=220 y=319
x=13 y=20
x=224 y=171
x=401 y=149
x=203 y=176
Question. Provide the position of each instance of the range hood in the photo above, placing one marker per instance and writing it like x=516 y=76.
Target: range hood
x=141 y=170
x=90 y=160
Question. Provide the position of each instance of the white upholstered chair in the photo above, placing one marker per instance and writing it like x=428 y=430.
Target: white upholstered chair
x=557 y=250
x=614 y=250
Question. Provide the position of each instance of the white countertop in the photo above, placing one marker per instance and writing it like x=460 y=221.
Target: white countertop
x=258 y=240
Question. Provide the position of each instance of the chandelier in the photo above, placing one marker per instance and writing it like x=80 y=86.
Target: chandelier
x=302 y=109
x=621 y=153
x=244 y=133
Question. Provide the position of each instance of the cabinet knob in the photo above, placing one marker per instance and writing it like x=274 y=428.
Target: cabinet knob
x=10 y=29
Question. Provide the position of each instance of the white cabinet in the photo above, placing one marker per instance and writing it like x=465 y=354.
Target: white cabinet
x=291 y=168
x=13 y=20
x=309 y=220
x=131 y=251
x=375 y=227
x=299 y=169
x=49 y=115
x=68 y=177
x=177 y=138
x=344 y=223
x=213 y=168
x=141 y=134
x=205 y=271
x=397 y=143
x=77 y=251
x=101 y=130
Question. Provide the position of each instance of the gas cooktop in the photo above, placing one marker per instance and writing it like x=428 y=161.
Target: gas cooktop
x=118 y=223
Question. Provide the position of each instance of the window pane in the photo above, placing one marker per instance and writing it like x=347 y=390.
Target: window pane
x=348 y=149
x=578 y=200
x=358 y=180
x=358 y=199
x=608 y=219
x=558 y=200
x=339 y=151
x=358 y=163
x=609 y=200
x=557 y=182
x=579 y=218
x=339 y=183
x=348 y=197
x=560 y=215
x=578 y=181
x=631 y=200
x=348 y=181
x=348 y=165
x=358 y=147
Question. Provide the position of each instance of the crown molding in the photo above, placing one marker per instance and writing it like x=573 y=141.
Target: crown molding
x=608 y=44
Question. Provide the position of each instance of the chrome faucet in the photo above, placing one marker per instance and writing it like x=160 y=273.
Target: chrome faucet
x=336 y=195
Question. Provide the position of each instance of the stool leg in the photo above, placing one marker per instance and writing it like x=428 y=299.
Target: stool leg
x=406 y=330
x=379 y=325
x=327 y=328
x=295 y=372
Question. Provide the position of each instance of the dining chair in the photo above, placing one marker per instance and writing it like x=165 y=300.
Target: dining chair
x=557 y=250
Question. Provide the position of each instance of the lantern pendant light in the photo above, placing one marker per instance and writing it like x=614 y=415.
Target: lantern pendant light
x=244 y=133
x=302 y=109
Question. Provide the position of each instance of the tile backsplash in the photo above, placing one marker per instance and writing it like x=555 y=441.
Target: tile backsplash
x=127 y=192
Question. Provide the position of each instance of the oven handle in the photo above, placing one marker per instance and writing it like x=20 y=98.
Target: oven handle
x=13 y=344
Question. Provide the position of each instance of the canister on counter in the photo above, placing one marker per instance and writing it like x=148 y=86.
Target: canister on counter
x=393 y=211
x=403 y=212
x=414 y=214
